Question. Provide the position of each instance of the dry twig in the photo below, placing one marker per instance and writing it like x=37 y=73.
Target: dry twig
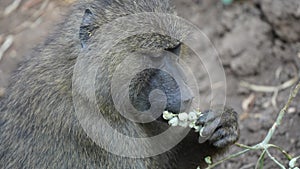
x=6 y=45
x=271 y=89
x=265 y=145
x=36 y=19
x=12 y=7
x=29 y=4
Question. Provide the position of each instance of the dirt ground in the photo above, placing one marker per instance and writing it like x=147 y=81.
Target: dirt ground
x=258 y=42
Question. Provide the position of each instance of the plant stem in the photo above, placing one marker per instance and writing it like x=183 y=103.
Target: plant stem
x=281 y=114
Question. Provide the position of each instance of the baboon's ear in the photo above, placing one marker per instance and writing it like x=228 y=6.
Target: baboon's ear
x=87 y=27
x=176 y=50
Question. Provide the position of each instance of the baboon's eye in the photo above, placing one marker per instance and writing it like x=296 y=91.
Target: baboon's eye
x=87 y=27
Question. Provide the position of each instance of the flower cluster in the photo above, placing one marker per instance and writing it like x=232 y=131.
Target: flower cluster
x=183 y=119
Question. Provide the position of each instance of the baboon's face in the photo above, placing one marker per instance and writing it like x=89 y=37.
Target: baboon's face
x=168 y=79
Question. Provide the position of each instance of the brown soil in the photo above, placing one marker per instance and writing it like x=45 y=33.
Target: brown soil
x=258 y=42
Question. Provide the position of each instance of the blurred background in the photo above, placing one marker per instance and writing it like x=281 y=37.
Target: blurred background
x=258 y=42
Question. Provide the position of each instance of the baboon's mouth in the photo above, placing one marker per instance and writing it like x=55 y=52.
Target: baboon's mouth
x=161 y=119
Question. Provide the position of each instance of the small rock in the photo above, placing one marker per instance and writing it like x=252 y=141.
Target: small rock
x=283 y=16
x=247 y=63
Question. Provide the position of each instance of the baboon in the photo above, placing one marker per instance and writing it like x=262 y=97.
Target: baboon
x=39 y=128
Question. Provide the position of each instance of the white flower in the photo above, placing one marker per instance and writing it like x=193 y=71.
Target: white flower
x=174 y=121
x=167 y=115
x=184 y=119
x=183 y=116
x=193 y=116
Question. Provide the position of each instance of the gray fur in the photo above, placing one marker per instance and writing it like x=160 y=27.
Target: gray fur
x=38 y=125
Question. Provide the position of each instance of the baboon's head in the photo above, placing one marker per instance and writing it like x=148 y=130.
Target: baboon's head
x=148 y=65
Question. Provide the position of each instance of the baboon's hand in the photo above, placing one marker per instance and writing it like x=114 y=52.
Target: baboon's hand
x=220 y=127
